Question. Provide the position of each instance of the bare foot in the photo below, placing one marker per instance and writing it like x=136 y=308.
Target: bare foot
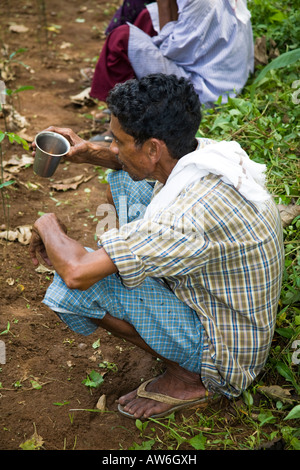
x=175 y=382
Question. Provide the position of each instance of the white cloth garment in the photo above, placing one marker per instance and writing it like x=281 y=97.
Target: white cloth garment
x=226 y=159
x=211 y=44
x=241 y=11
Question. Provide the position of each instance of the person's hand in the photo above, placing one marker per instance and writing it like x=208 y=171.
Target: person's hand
x=78 y=152
x=36 y=246
x=83 y=151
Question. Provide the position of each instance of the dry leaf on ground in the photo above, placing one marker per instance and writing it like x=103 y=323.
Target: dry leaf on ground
x=41 y=269
x=16 y=163
x=275 y=392
x=18 y=28
x=14 y=120
x=70 y=183
x=101 y=404
x=288 y=213
x=82 y=97
x=22 y=234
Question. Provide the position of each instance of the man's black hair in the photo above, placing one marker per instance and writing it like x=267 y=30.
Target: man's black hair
x=161 y=106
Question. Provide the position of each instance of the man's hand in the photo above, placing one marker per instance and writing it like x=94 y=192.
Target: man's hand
x=37 y=246
x=78 y=267
x=79 y=147
x=83 y=151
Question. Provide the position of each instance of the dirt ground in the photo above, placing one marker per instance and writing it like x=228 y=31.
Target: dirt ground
x=39 y=349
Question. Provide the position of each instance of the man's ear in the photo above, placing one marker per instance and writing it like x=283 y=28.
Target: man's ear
x=153 y=148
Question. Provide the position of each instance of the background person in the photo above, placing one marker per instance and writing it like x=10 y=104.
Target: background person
x=127 y=12
x=206 y=41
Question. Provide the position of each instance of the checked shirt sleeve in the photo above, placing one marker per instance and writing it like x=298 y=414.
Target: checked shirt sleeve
x=165 y=246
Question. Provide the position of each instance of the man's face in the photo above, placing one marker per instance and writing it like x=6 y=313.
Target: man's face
x=132 y=158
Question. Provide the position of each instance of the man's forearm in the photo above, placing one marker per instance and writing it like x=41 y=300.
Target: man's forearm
x=79 y=268
x=167 y=11
x=100 y=156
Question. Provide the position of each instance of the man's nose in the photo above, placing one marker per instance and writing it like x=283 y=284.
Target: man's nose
x=113 y=147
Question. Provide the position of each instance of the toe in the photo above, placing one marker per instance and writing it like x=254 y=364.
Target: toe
x=125 y=399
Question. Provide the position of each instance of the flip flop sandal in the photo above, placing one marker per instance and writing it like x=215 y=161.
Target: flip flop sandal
x=103 y=116
x=177 y=403
x=82 y=98
x=101 y=138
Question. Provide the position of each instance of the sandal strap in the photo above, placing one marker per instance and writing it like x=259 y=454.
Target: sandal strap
x=142 y=392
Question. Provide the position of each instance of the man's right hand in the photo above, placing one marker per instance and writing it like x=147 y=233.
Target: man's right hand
x=79 y=147
x=83 y=151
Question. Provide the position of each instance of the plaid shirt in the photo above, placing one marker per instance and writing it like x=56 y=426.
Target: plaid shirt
x=223 y=257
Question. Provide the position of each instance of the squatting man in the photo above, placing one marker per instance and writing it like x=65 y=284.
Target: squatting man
x=203 y=299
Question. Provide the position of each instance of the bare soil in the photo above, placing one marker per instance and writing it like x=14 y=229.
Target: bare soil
x=59 y=41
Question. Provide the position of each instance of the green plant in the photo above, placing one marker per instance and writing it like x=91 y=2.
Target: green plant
x=12 y=138
x=93 y=380
x=288 y=58
x=34 y=443
x=9 y=59
x=5 y=332
x=278 y=21
x=108 y=365
x=11 y=93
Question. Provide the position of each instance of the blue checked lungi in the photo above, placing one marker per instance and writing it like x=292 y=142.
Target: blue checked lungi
x=165 y=323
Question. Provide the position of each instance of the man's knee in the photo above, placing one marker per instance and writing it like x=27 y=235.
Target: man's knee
x=124 y=330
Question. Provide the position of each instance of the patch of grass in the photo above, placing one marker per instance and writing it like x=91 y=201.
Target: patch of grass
x=278 y=21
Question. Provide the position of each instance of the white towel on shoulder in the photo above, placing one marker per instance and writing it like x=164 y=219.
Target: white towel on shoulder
x=225 y=159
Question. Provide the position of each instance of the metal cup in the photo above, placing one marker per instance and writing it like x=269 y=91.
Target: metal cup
x=50 y=147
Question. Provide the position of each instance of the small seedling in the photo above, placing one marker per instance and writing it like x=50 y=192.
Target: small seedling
x=93 y=380
x=109 y=366
x=5 y=332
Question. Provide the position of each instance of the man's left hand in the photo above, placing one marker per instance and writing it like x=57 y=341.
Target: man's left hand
x=37 y=247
